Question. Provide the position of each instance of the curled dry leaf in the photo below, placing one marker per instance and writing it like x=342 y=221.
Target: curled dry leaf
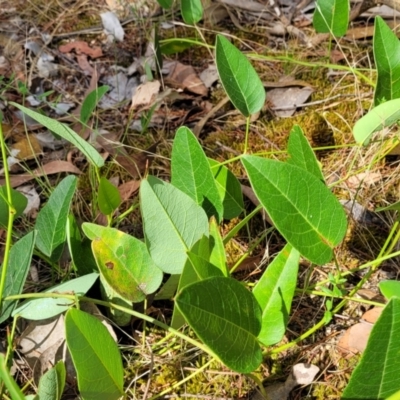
x=185 y=77
x=53 y=167
x=145 y=94
x=81 y=47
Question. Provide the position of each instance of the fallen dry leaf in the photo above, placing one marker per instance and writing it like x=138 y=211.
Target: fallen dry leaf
x=144 y=94
x=53 y=167
x=81 y=47
x=28 y=148
x=285 y=101
x=32 y=195
x=127 y=189
x=185 y=77
x=355 y=339
x=363 y=178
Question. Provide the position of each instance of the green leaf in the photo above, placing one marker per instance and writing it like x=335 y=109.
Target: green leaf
x=53 y=217
x=192 y=11
x=48 y=307
x=19 y=202
x=301 y=154
x=96 y=357
x=165 y=3
x=331 y=16
x=176 y=45
x=274 y=293
x=377 y=376
x=168 y=290
x=227 y=318
x=387 y=61
x=124 y=262
x=65 y=132
x=386 y=114
x=389 y=288
x=17 y=271
x=51 y=384
x=91 y=101
x=7 y=379
x=238 y=77
x=173 y=223
x=229 y=190
x=395 y=396
x=302 y=208
x=217 y=248
x=191 y=173
x=109 y=198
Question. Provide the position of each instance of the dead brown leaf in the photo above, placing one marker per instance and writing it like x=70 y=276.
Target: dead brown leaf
x=363 y=178
x=81 y=47
x=28 y=148
x=355 y=339
x=185 y=77
x=127 y=189
x=145 y=94
x=53 y=167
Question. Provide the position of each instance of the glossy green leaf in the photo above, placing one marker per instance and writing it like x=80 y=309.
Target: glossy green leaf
x=109 y=198
x=124 y=262
x=91 y=101
x=96 y=357
x=381 y=116
x=302 y=208
x=7 y=379
x=19 y=202
x=173 y=223
x=229 y=190
x=53 y=217
x=217 y=248
x=47 y=307
x=80 y=249
x=17 y=271
x=387 y=61
x=51 y=384
x=65 y=132
x=389 y=288
x=238 y=77
x=377 y=376
x=301 y=154
x=274 y=293
x=191 y=173
x=227 y=318
x=331 y=16
x=192 y=11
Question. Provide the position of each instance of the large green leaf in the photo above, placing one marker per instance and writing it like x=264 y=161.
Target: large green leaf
x=191 y=173
x=390 y=288
x=238 y=77
x=377 y=374
x=48 y=307
x=302 y=208
x=173 y=223
x=19 y=201
x=65 y=132
x=17 y=271
x=301 y=153
x=274 y=293
x=387 y=61
x=331 y=16
x=386 y=114
x=95 y=355
x=124 y=262
x=51 y=384
x=192 y=11
x=227 y=317
x=52 y=220
x=229 y=189
x=109 y=198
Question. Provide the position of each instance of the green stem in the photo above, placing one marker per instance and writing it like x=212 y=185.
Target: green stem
x=246 y=138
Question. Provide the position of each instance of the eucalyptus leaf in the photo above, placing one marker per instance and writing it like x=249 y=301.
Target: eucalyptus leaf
x=274 y=293
x=301 y=154
x=238 y=77
x=383 y=115
x=48 y=307
x=192 y=11
x=124 y=262
x=377 y=376
x=227 y=318
x=109 y=198
x=173 y=223
x=65 y=132
x=302 y=208
x=191 y=173
x=53 y=217
x=387 y=61
x=229 y=190
x=17 y=271
x=96 y=357
x=331 y=16
x=19 y=202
